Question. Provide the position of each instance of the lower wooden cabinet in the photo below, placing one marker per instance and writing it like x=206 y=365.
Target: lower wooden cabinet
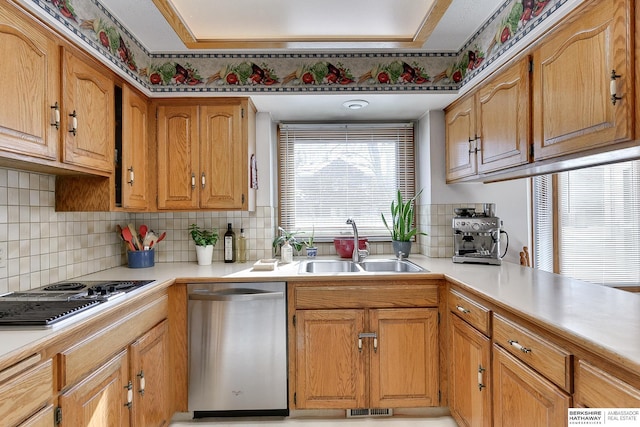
x=389 y=362
x=596 y=388
x=150 y=376
x=524 y=398
x=27 y=389
x=99 y=399
x=469 y=375
x=365 y=356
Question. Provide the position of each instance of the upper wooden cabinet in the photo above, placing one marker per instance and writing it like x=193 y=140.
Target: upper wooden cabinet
x=203 y=154
x=88 y=114
x=573 y=77
x=134 y=163
x=503 y=119
x=31 y=87
x=489 y=129
x=461 y=159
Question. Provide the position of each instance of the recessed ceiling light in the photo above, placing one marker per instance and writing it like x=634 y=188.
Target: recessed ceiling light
x=355 y=104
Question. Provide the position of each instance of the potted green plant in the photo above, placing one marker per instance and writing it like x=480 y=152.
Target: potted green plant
x=401 y=226
x=309 y=243
x=284 y=236
x=205 y=240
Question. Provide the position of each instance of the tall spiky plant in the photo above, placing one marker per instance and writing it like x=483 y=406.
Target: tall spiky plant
x=402 y=227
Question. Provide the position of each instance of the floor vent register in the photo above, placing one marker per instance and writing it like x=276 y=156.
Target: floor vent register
x=354 y=413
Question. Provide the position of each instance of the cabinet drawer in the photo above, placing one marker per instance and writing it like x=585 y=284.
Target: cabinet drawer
x=470 y=311
x=84 y=357
x=363 y=296
x=25 y=394
x=596 y=388
x=548 y=359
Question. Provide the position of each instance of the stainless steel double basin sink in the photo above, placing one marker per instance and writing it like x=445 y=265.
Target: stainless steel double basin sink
x=367 y=266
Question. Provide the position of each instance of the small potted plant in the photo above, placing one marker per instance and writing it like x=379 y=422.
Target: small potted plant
x=309 y=243
x=284 y=236
x=205 y=240
x=402 y=226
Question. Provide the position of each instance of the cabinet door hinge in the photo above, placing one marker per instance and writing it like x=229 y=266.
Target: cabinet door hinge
x=531 y=65
x=439 y=396
x=438 y=318
x=294 y=320
x=531 y=151
x=242 y=113
x=57 y=416
x=243 y=199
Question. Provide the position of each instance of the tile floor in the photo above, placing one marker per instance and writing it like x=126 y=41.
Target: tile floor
x=437 y=418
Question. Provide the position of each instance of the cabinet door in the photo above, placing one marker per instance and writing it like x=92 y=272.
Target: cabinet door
x=596 y=388
x=470 y=377
x=522 y=397
x=404 y=360
x=330 y=368
x=223 y=170
x=24 y=394
x=31 y=86
x=460 y=136
x=503 y=119
x=572 y=104
x=150 y=376
x=178 y=157
x=100 y=399
x=89 y=95
x=135 y=150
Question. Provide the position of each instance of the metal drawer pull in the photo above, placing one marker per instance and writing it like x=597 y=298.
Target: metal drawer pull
x=142 y=382
x=56 y=115
x=462 y=309
x=518 y=346
x=203 y=180
x=193 y=181
x=480 y=379
x=131 y=176
x=613 y=87
x=368 y=335
x=74 y=123
x=129 y=388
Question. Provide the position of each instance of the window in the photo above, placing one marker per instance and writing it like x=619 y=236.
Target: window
x=331 y=172
x=597 y=223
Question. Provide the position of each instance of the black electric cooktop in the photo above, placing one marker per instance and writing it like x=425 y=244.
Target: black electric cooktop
x=50 y=304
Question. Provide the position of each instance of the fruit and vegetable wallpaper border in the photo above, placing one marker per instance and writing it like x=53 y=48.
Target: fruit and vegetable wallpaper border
x=310 y=71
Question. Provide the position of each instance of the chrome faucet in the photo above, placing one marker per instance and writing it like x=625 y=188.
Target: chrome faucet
x=358 y=254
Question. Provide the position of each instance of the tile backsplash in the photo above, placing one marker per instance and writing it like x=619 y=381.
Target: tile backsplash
x=39 y=246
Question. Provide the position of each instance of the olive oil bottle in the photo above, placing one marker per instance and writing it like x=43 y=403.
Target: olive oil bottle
x=229 y=245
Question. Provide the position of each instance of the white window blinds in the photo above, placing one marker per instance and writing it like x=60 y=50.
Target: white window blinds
x=599 y=223
x=597 y=229
x=331 y=172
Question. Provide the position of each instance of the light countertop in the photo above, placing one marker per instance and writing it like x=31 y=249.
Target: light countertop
x=607 y=319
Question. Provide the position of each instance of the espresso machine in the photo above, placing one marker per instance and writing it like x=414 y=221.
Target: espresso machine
x=476 y=236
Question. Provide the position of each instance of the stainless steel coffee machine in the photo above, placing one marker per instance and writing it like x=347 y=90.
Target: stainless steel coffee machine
x=476 y=236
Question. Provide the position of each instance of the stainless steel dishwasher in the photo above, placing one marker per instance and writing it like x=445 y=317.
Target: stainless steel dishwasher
x=237 y=349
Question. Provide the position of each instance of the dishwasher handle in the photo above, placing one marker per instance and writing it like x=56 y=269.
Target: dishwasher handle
x=241 y=294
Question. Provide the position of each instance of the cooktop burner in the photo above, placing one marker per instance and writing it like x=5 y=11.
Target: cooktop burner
x=50 y=304
x=40 y=313
x=65 y=286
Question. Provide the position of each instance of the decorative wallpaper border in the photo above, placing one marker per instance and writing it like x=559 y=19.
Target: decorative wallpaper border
x=303 y=72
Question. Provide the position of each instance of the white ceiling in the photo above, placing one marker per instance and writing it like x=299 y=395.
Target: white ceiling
x=459 y=23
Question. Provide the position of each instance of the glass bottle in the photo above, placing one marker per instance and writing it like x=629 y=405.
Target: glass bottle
x=286 y=253
x=242 y=247
x=229 y=245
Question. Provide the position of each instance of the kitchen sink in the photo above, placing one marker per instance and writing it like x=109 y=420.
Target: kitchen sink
x=370 y=266
x=329 y=266
x=390 y=265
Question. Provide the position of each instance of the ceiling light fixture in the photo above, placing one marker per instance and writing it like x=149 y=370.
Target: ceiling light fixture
x=355 y=104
